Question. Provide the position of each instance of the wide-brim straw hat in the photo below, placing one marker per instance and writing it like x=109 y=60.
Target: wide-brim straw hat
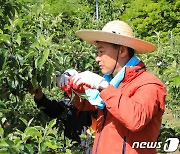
x=117 y=32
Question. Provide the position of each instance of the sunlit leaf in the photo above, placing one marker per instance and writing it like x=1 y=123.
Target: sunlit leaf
x=3 y=143
x=1 y=132
x=50 y=145
x=30 y=121
x=68 y=151
x=18 y=40
x=24 y=121
x=42 y=41
x=42 y=59
x=176 y=81
x=32 y=131
x=52 y=123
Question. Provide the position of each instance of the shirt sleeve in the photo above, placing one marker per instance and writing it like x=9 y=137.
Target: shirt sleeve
x=135 y=111
x=52 y=108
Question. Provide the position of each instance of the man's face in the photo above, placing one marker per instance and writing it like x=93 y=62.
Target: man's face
x=106 y=57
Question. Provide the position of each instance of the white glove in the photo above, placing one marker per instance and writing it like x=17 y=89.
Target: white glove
x=64 y=83
x=90 y=79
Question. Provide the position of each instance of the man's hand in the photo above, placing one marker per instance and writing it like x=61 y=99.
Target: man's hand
x=89 y=79
x=38 y=94
x=64 y=79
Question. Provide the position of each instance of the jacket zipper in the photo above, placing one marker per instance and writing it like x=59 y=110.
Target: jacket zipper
x=124 y=145
x=105 y=114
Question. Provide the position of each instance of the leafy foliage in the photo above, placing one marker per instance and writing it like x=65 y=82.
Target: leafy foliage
x=37 y=38
x=149 y=17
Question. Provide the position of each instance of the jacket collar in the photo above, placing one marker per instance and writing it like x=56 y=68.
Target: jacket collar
x=133 y=72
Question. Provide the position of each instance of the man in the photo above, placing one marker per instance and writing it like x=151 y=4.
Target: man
x=76 y=122
x=130 y=101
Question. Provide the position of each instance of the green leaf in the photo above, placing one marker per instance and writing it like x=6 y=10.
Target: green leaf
x=42 y=59
x=3 y=151
x=51 y=68
x=1 y=132
x=27 y=35
x=3 y=143
x=1 y=32
x=42 y=41
x=30 y=54
x=17 y=141
x=35 y=45
x=24 y=121
x=4 y=37
x=39 y=128
x=169 y=71
x=176 y=81
x=50 y=145
x=9 y=142
x=83 y=136
x=30 y=121
x=41 y=62
x=174 y=64
x=3 y=59
x=32 y=131
x=72 y=97
x=36 y=62
x=46 y=54
x=29 y=148
x=52 y=123
x=34 y=82
x=5 y=110
x=84 y=96
x=68 y=151
x=2 y=104
x=18 y=40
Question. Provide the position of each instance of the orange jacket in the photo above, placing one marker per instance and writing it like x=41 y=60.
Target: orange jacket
x=133 y=113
